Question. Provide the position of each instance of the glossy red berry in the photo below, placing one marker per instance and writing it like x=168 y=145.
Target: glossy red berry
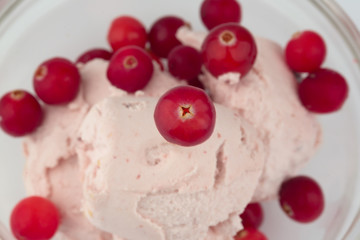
x=126 y=31
x=250 y=234
x=130 y=69
x=323 y=91
x=184 y=62
x=57 y=81
x=253 y=216
x=162 y=35
x=216 y=12
x=301 y=198
x=20 y=113
x=94 y=53
x=305 y=52
x=34 y=218
x=229 y=48
x=185 y=116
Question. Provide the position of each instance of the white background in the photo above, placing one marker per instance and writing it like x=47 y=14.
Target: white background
x=352 y=8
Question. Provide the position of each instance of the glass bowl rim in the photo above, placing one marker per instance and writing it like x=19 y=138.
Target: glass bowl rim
x=329 y=8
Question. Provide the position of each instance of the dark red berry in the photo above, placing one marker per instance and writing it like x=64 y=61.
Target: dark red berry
x=184 y=62
x=94 y=53
x=216 y=12
x=34 y=218
x=195 y=82
x=162 y=35
x=250 y=234
x=126 y=31
x=229 y=48
x=185 y=116
x=323 y=91
x=252 y=216
x=305 y=52
x=57 y=81
x=20 y=113
x=301 y=198
x=130 y=69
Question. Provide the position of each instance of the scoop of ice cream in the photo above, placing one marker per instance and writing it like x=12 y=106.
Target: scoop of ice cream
x=52 y=167
x=139 y=186
x=267 y=97
x=52 y=170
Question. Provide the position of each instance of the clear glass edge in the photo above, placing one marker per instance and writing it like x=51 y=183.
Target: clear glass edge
x=347 y=29
x=7 y=8
x=342 y=22
x=329 y=8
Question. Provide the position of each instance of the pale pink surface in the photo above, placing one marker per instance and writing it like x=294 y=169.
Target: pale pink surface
x=52 y=167
x=139 y=186
x=267 y=97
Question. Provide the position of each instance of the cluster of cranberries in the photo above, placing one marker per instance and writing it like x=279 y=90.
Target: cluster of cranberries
x=323 y=90
x=184 y=115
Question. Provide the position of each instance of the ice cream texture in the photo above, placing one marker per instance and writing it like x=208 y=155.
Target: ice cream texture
x=113 y=176
x=267 y=97
x=157 y=188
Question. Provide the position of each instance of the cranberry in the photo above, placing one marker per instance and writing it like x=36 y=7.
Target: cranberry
x=216 y=12
x=130 y=69
x=250 y=234
x=125 y=31
x=323 y=91
x=57 y=81
x=34 y=218
x=185 y=116
x=184 y=62
x=195 y=82
x=305 y=52
x=94 y=53
x=229 y=48
x=20 y=113
x=252 y=216
x=301 y=199
x=162 y=35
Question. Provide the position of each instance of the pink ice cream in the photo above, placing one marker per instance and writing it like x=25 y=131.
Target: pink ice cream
x=139 y=186
x=267 y=98
x=52 y=166
x=114 y=177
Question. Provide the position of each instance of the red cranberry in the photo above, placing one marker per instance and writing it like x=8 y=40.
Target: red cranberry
x=250 y=234
x=195 y=82
x=184 y=62
x=130 y=69
x=301 y=199
x=20 y=113
x=125 y=31
x=216 y=12
x=162 y=35
x=229 y=48
x=34 y=218
x=94 y=53
x=305 y=52
x=185 y=116
x=323 y=91
x=57 y=81
x=252 y=216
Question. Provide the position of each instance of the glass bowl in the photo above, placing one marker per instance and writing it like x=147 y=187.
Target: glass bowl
x=32 y=31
